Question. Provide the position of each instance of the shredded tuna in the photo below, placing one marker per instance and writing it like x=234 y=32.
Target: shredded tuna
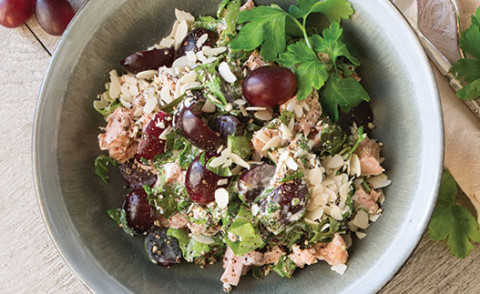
x=254 y=61
x=201 y=229
x=233 y=268
x=333 y=253
x=312 y=110
x=301 y=257
x=248 y=5
x=261 y=137
x=177 y=221
x=174 y=173
x=272 y=256
x=117 y=139
x=366 y=200
x=368 y=152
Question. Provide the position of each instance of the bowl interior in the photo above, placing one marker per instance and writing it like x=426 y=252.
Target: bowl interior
x=404 y=100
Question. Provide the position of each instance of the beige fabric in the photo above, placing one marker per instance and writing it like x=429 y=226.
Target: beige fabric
x=462 y=128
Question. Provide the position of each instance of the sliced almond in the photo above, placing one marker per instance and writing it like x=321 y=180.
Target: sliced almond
x=263 y=115
x=272 y=143
x=115 y=85
x=146 y=75
x=150 y=105
x=181 y=33
x=226 y=73
x=221 y=197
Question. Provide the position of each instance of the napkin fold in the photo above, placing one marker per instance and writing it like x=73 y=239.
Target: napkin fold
x=462 y=129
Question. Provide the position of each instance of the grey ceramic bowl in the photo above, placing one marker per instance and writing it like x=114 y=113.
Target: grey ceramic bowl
x=404 y=99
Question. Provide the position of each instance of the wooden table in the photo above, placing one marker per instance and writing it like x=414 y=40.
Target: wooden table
x=29 y=262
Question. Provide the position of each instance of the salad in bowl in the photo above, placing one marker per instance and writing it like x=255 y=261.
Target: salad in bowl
x=245 y=139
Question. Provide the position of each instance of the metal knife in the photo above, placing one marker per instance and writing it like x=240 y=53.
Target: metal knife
x=409 y=9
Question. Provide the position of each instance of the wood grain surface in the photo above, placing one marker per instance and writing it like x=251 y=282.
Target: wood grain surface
x=29 y=262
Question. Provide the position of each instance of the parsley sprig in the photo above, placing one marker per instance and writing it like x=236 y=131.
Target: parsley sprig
x=453 y=222
x=313 y=58
x=468 y=69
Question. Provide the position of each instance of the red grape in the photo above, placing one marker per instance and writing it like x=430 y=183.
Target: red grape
x=54 y=15
x=135 y=176
x=150 y=143
x=14 y=13
x=197 y=132
x=284 y=205
x=269 y=86
x=228 y=125
x=254 y=181
x=138 y=212
x=151 y=59
x=190 y=41
x=161 y=248
x=201 y=183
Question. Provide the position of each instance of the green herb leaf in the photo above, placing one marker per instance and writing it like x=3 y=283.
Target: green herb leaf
x=292 y=176
x=332 y=45
x=266 y=28
x=189 y=247
x=101 y=166
x=248 y=238
x=310 y=71
x=452 y=221
x=285 y=267
x=334 y=10
x=470 y=38
x=344 y=93
x=115 y=214
x=467 y=69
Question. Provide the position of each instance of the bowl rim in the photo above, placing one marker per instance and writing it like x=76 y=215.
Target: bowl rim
x=107 y=283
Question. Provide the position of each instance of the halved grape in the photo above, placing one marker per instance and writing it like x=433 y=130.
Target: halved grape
x=228 y=125
x=253 y=182
x=14 y=13
x=151 y=59
x=269 y=86
x=161 y=248
x=284 y=205
x=201 y=183
x=138 y=212
x=190 y=43
x=135 y=176
x=150 y=143
x=197 y=132
x=54 y=15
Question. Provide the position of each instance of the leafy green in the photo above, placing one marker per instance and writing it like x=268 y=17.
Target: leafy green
x=332 y=45
x=190 y=248
x=163 y=199
x=285 y=267
x=310 y=71
x=334 y=10
x=171 y=106
x=292 y=176
x=360 y=137
x=285 y=117
x=239 y=145
x=452 y=221
x=344 y=93
x=101 y=164
x=219 y=170
x=248 y=238
x=207 y=22
x=109 y=109
x=119 y=217
x=231 y=17
x=332 y=138
x=266 y=28
x=468 y=69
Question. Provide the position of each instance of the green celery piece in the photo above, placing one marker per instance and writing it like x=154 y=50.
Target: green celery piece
x=285 y=267
x=240 y=145
x=248 y=238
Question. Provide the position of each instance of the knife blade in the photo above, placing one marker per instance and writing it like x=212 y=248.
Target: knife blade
x=409 y=9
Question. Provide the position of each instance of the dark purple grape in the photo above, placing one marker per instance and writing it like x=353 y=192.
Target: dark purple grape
x=14 y=13
x=269 y=86
x=253 y=182
x=201 y=183
x=161 y=248
x=284 y=205
x=190 y=41
x=54 y=15
x=138 y=213
x=135 y=176
x=150 y=143
x=228 y=125
x=197 y=132
x=362 y=115
x=151 y=59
